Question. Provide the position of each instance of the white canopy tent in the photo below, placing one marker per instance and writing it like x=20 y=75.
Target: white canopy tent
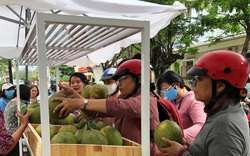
x=62 y=41
x=159 y=17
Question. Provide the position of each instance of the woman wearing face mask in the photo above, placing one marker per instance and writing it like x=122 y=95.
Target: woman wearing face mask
x=10 y=113
x=191 y=111
x=113 y=90
x=7 y=95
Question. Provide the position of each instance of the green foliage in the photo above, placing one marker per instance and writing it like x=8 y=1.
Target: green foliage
x=173 y=42
x=125 y=53
x=230 y=17
x=65 y=78
x=4 y=68
x=32 y=73
x=66 y=70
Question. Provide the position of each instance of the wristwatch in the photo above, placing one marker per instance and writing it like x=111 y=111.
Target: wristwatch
x=85 y=102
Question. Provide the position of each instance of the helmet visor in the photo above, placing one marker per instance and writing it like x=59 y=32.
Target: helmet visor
x=106 y=77
x=119 y=74
x=196 y=71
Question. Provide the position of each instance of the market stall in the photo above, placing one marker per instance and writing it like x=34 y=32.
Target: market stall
x=54 y=40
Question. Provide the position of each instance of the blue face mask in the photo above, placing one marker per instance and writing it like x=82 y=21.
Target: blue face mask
x=171 y=94
x=9 y=94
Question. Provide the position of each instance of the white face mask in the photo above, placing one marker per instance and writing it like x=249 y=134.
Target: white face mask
x=111 y=88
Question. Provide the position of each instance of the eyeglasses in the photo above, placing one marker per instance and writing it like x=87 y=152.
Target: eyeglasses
x=121 y=79
x=165 y=90
x=195 y=79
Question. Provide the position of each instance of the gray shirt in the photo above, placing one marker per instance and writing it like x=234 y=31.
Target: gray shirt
x=225 y=133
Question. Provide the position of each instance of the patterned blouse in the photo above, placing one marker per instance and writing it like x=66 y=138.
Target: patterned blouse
x=6 y=139
x=10 y=116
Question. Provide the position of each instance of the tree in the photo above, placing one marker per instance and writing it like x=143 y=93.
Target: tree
x=66 y=70
x=172 y=42
x=231 y=17
x=125 y=53
x=3 y=67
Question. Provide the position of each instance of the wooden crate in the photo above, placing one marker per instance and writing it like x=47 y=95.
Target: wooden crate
x=34 y=142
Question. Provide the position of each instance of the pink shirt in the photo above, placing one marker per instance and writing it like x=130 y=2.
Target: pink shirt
x=128 y=112
x=192 y=115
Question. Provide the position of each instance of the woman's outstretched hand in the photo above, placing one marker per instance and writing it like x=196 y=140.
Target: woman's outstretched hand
x=68 y=105
x=24 y=119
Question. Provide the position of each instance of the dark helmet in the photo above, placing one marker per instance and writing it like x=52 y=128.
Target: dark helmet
x=108 y=73
x=132 y=66
x=223 y=65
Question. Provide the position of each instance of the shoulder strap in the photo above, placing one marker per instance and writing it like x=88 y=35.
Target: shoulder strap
x=170 y=110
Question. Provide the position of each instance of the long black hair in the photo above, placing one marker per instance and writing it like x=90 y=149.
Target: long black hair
x=24 y=92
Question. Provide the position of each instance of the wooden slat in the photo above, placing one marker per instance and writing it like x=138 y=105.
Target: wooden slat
x=34 y=142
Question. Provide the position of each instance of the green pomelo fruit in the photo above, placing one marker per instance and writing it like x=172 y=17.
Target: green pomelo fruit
x=100 y=124
x=53 y=130
x=86 y=91
x=35 y=117
x=66 y=121
x=93 y=137
x=64 y=138
x=34 y=105
x=112 y=135
x=68 y=128
x=53 y=104
x=78 y=134
x=168 y=129
x=99 y=91
x=23 y=109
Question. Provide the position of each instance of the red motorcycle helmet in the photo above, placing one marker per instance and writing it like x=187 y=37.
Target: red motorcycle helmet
x=132 y=66
x=223 y=65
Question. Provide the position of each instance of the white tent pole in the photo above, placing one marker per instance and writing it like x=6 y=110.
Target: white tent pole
x=57 y=78
x=145 y=102
x=40 y=29
x=18 y=106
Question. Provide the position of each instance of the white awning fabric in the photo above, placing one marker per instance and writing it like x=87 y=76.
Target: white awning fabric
x=12 y=40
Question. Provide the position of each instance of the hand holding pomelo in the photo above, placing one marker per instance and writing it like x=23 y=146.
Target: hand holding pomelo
x=53 y=104
x=168 y=129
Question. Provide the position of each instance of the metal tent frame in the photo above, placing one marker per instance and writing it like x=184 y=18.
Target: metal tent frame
x=54 y=40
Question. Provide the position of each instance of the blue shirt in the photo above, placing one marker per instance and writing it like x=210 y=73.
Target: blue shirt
x=3 y=103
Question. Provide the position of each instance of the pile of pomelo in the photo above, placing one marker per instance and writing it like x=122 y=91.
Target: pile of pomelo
x=84 y=133
x=68 y=130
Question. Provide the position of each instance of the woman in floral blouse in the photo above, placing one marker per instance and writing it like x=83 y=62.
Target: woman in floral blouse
x=8 y=141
